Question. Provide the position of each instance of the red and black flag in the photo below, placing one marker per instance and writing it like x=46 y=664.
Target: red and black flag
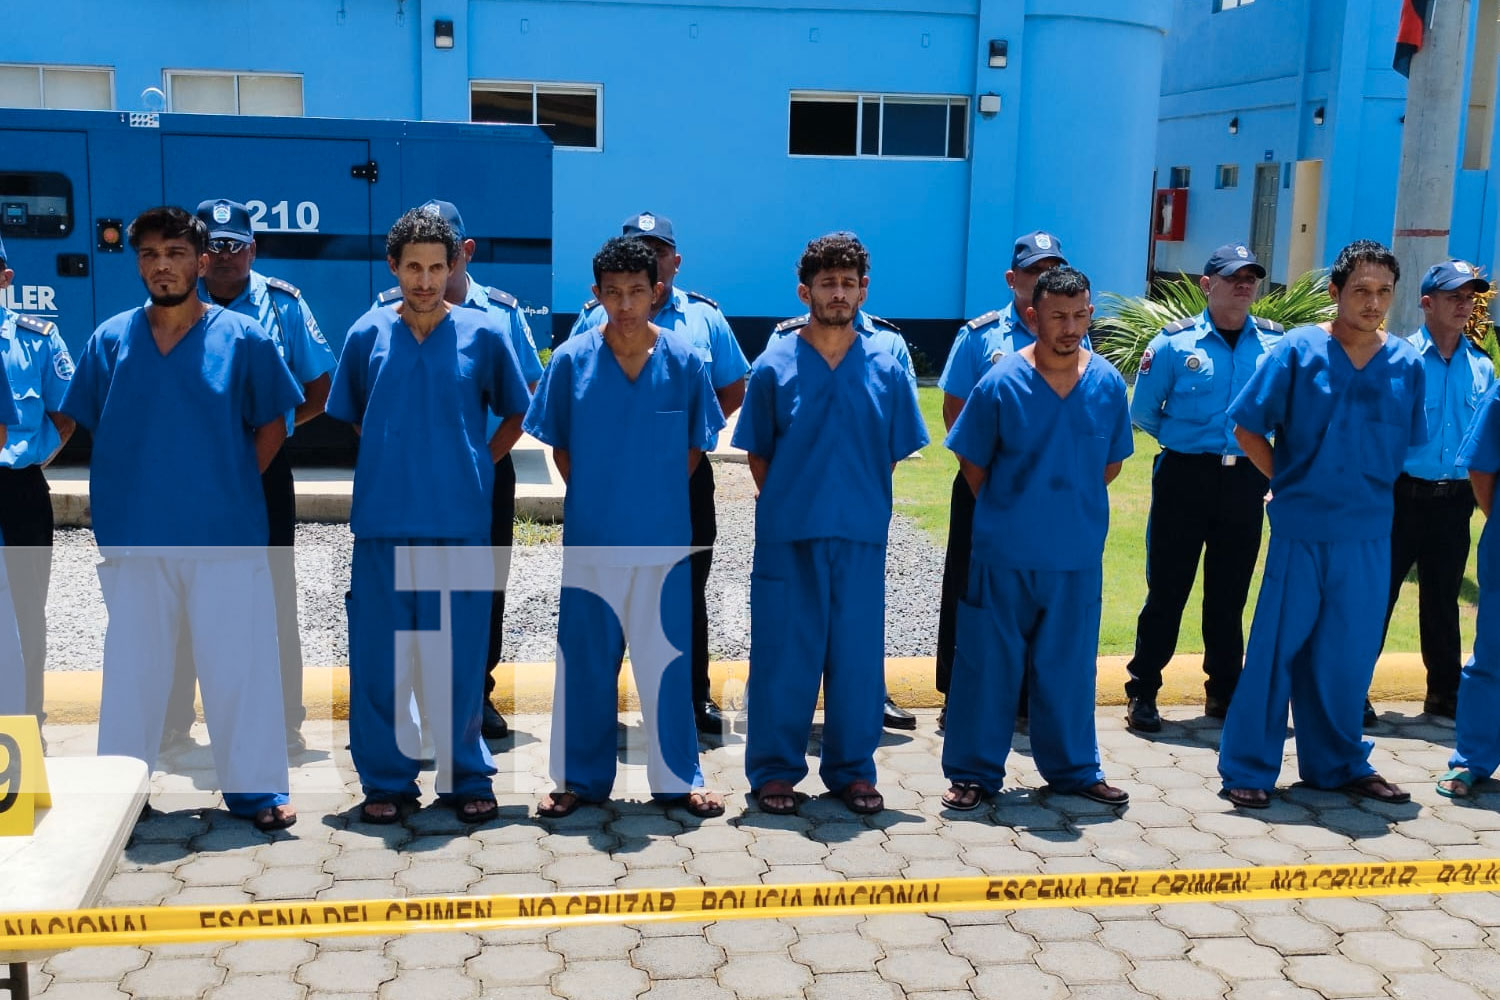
x=1409 y=33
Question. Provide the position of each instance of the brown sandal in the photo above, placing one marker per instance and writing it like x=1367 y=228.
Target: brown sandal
x=857 y=791
x=780 y=792
x=558 y=804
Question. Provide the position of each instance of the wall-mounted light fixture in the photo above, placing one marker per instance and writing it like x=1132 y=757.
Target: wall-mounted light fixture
x=989 y=104
x=1234 y=125
x=1319 y=115
x=999 y=53
x=442 y=34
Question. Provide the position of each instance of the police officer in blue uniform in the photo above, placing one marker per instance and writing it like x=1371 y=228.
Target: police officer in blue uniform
x=505 y=314
x=1206 y=498
x=38 y=368
x=280 y=309
x=981 y=342
x=1434 y=501
x=698 y=319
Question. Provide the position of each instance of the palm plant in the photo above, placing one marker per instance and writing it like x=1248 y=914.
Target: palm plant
x=1130 y=321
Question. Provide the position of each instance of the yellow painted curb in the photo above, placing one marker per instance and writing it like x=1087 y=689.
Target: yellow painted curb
x=72 y=696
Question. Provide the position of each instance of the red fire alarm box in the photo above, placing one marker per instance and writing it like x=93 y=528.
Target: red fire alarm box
x=1169 y=214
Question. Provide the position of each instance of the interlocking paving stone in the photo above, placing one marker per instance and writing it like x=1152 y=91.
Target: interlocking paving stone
x=1334 y=976
x=1009 y=982
x=1479 y=967
x=904 y=930
x=616 y=980
x=1081 y=962
x=680 y=957
x=1387 y=951
x=846 y=951
x=1237 y=959
x=262 y=987
x=1202 y=920
x=852 y=986
x=1143 y=939
x=738 y=937
x=290 y=882
x=1292 y=935
x=1437 y=929
x=925 y=969
x=514 y=965
x=1345 y=915
x=686 y=989
x=94 y=963
x=1430 y=986
x=770 y=976
x=433 y=951
x=1271 y=989
x=590 y=943
x=1177 y=978
x=268 y=957
x=171 y=978
x=991 y=944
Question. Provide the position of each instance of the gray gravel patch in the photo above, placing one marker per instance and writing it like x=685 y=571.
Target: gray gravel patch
x=914 y=565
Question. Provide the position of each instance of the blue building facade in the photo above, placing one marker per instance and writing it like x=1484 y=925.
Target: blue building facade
x=1283 y=119
x=935 y=129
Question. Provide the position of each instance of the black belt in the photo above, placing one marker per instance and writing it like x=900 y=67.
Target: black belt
x=27 y=473
x=1432 y=489
x=1208 y=458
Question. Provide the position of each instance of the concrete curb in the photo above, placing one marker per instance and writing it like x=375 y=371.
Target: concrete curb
x=72 y=696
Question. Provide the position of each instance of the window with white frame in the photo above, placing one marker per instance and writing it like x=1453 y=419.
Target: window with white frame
x=208 y=92
x=1179 y=177
x=1227 y=175
x=1223 y=5
x=88 y=88
x=568 y=112
x=915 y=126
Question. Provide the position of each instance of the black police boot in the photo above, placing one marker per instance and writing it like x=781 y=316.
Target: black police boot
x=1141 y=715
x=1370 y=717
x=897 y=717
x=1215 y=708
x=942 y=725
x=709 y=717
x=1444 y=707
x=492 y=725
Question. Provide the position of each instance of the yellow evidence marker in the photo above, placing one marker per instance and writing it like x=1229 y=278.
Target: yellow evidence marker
x=23 y=775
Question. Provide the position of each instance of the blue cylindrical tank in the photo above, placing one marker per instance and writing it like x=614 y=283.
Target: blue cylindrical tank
x=1091 y=86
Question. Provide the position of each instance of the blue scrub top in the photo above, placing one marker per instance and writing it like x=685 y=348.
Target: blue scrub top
x=831 y=436
x=697 y=320
x=1044 y=503
x=1481 y=452
x=38 y=368
x=174 y=435
x=1454 y=388
x=424 y=468
x=627 y=441
x=1188 y=377
x=879 y=333
x=1341 y=433
x=283 y=313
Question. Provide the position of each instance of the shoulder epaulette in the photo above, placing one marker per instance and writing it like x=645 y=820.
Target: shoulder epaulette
x=1186 y=323
x=500 y=298
x=702 y=298
x=881 y=321
x=587 y=306
x=978 y=321
x=795 y=323
x=388 y=296
x=284 y=286
x=31 y=323
x=1268 y=324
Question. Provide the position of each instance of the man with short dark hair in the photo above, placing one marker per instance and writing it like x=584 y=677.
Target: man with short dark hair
x=1039 y=440
x=827 y=416
x=503 y=313
x=417 y=379
x=184 y=388
x=1434 y=501
x=1344 y=401
x=629 y=411
x=979 y=346
x=38 y=368
x=1207 y=499
x=283 y=313
x=697 y=319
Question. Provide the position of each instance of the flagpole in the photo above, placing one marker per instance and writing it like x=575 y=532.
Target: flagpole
x=1429 y=154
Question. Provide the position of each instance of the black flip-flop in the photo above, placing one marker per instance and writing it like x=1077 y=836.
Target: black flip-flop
x=704 y=809
x=274 y=822
x=459 y=803
x=1364 y=787
x=965 y=787
x=1088 y=792
x=403 y=807
x=557 y=811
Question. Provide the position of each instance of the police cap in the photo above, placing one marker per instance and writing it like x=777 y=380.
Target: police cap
x=448 y=212
x=1231 y=258
x=657 y=227
x=1452 y=274
x=226 y=220
x=1034 y=248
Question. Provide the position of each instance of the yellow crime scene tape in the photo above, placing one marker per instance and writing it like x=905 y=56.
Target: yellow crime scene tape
x=137 y=925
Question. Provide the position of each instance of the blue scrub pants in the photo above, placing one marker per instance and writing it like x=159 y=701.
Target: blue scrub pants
x=401 y=639
x=1011 y=623
x=225 y=601
x=1313 y=643
x=1477 y=733
x=817 y=616
x=603 y=607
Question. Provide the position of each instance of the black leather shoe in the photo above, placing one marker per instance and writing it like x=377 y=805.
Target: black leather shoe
x=897 y=717
x=492 y=725
x=1215 y=708
x=942 y=725
x=1141 y=715
x=709 y=718
x=174 y=740
x=1370 y=717
x=1445 y=708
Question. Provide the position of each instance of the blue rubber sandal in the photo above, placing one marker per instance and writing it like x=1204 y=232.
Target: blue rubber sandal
x=1464 y=778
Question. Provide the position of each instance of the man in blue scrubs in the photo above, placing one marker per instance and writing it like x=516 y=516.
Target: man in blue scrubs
x=187 y=403
x=883 y=335
x=1207 y=499
x=980 y=343
x=503 y=313
x=416 y=380
x=38 y=367
x=283 y=313
x=1476 y=735
x=827 y=416
x=1039 y=440
x=1434 y=502
x=629 y=410
x=697 y=319
x=1344 y=401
